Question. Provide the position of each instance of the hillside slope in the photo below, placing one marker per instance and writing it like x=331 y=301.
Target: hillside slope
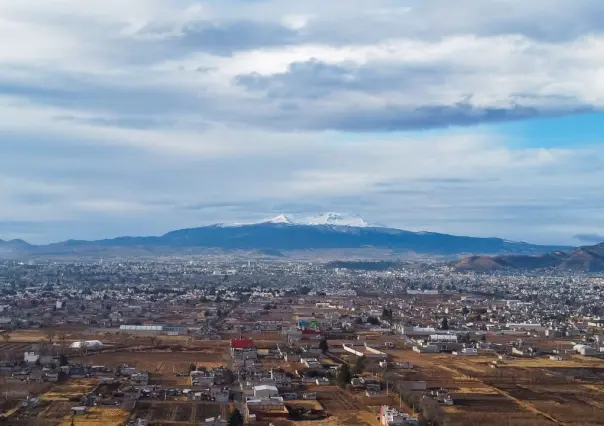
x=582 y=259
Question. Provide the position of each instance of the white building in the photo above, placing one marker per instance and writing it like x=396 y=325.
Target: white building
x=265 y=391
x=31 y=357
x=87 y=344
x=443 y=338
x=392 y=417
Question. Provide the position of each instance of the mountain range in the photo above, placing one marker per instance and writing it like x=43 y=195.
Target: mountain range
x=284 y=234
x=582 y=259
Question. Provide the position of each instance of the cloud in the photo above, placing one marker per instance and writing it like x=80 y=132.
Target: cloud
x=143 y=116
x=590 y=238
x=371 y=67
x=415 y=85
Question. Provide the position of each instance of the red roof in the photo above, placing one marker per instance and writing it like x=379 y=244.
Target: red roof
x=310 y=331
x=242 y=343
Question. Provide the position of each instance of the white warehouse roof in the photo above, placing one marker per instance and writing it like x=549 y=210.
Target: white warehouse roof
x=86 y=344
x=142 y=327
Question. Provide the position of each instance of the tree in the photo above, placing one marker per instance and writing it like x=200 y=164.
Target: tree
x=236 y=419
x=344 y=376
x=324 y=346
x=5 y=337
x=359 y=366
x=386 y=313
x=192 y=367
x=62 y=340
x=304 y=290
x=444 y=324
x=63 y=361
x=373 y=321
x=50 y=336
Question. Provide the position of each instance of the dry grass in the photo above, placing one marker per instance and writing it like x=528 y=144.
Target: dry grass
x=485 y=390
x=98 y=417
x=73 y=388
x=309 y=405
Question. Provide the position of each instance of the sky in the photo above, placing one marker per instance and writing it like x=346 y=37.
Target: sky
x=142 y=116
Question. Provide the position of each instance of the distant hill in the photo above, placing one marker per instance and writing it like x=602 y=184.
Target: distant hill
x=14 y=245
x=582 y=259
x=277 y=238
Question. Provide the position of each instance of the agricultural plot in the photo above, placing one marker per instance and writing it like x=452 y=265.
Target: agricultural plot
x=98 y=417
x=73 y=389
x=161 y=412
x=345 y=408
x=160 y=362
x=12 y=348
x=536 y=391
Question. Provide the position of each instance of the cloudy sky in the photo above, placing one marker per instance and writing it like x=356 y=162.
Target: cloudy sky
x=142 y=116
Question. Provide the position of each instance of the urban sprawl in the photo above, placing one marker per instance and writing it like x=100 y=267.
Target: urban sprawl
x=186 y=341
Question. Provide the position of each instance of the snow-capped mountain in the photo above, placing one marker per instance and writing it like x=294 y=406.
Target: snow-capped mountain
x=283 y=233
x=331 y=218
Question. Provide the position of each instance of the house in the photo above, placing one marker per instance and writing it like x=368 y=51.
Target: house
x=78 y=371
x=392 y=417
x=141 y=379
x=292 y=357
x=265 y=408
x=6 y=323
x=265 y=391
x=36 y=376
x=278 y=375
x=584 y=350
x=357 y=383
x=466 y=352
x=79 y=411
x=49 y=360
x=52 y=376
x=31 y=357
x=430 y=349
x=220 y=394
x=241 y=344
x=311 y=363
x=203 y=379
x=127 y=370
x=175 y=329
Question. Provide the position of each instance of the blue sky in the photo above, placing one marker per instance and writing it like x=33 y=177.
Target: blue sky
x=139 y=117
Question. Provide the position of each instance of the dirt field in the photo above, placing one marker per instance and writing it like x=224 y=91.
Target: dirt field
x=77 y=387
x=346 y=409
x=520 y=391
x=160 y=412
x=98 y=417
x=160 y=362
x=12 y=350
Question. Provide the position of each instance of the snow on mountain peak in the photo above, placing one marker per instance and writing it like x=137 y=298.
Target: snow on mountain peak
x=280 y=219
x=339 y=219
x=330 y=218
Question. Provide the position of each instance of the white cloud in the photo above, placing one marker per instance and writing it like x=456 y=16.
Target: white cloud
x=181 y=112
